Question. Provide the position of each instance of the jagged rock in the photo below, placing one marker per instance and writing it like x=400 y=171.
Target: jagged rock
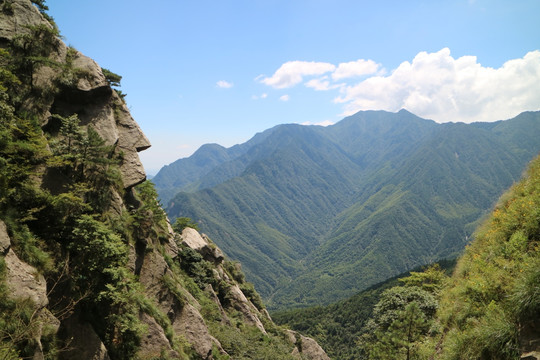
x=5 y=242
x=152 y=270
x=16 y=21
x=82 y=342
x=244 y=306
x=266 y=314
x=311 y=350
x=306 y=347
x=201 y=244
x=93 y=76
x=24 y=281
x=154 y=340
x=191 y=324
x=171 y=248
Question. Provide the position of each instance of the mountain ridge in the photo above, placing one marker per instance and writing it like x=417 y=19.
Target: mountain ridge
x=393 y=166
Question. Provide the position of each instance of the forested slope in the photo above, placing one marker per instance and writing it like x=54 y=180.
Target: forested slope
x=320 y=213
x=487 y=309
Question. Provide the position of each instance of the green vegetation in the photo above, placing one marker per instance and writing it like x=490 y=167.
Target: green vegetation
x=318 y=214
x=183 y=222
x=493 y=299
x=339 y=327
x=112 y=78
x=488 y=309
x=55 y=198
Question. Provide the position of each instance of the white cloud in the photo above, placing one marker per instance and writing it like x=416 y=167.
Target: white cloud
x=257 y=97
x=224 y=84
x=322 y=84
x=284 y=98
x=437 y=86
x=292 y=73
x=356 y=68
x=321 y=123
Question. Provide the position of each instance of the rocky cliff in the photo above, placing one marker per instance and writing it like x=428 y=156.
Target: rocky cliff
x=90 y=268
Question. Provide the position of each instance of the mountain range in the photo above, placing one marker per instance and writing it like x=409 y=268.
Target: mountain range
x=316 y=214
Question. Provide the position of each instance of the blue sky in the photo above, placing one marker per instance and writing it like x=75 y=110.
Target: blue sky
x=219 y=71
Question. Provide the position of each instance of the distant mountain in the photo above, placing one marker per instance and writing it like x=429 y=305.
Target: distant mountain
x=202 y=169
x=316 y=214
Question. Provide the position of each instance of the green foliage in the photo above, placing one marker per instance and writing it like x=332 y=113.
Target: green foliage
x=83 y=158
x=234 y=269
x=148 y=219
x=432 y=279
x=247 y=342
x=494 y=291
x=399 y=340
x=249 y=291
x=400 y=319
x=97 y=251
x=112 y=78
x=40 y=5
x=33 y=49
x=183 y=222
x=339 y=326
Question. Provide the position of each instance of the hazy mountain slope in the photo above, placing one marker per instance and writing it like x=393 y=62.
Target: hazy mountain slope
x=192 y=173
x=326 y=212
x=279 y=205
x=425 y=211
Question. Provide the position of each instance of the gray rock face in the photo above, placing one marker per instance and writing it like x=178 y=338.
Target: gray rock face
x=5 y=242
x=102 y=108
x=244 y=306
x=24 y=14
x=91 y=97
x=24 y=281
x=99 y=106
x=190 y=323
x=85 y=344
x=154 y=341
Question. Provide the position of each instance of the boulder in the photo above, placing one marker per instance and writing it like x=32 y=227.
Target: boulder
x=306 y=347
x=201 y=244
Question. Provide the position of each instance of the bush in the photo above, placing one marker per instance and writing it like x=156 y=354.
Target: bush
x=183 y=222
